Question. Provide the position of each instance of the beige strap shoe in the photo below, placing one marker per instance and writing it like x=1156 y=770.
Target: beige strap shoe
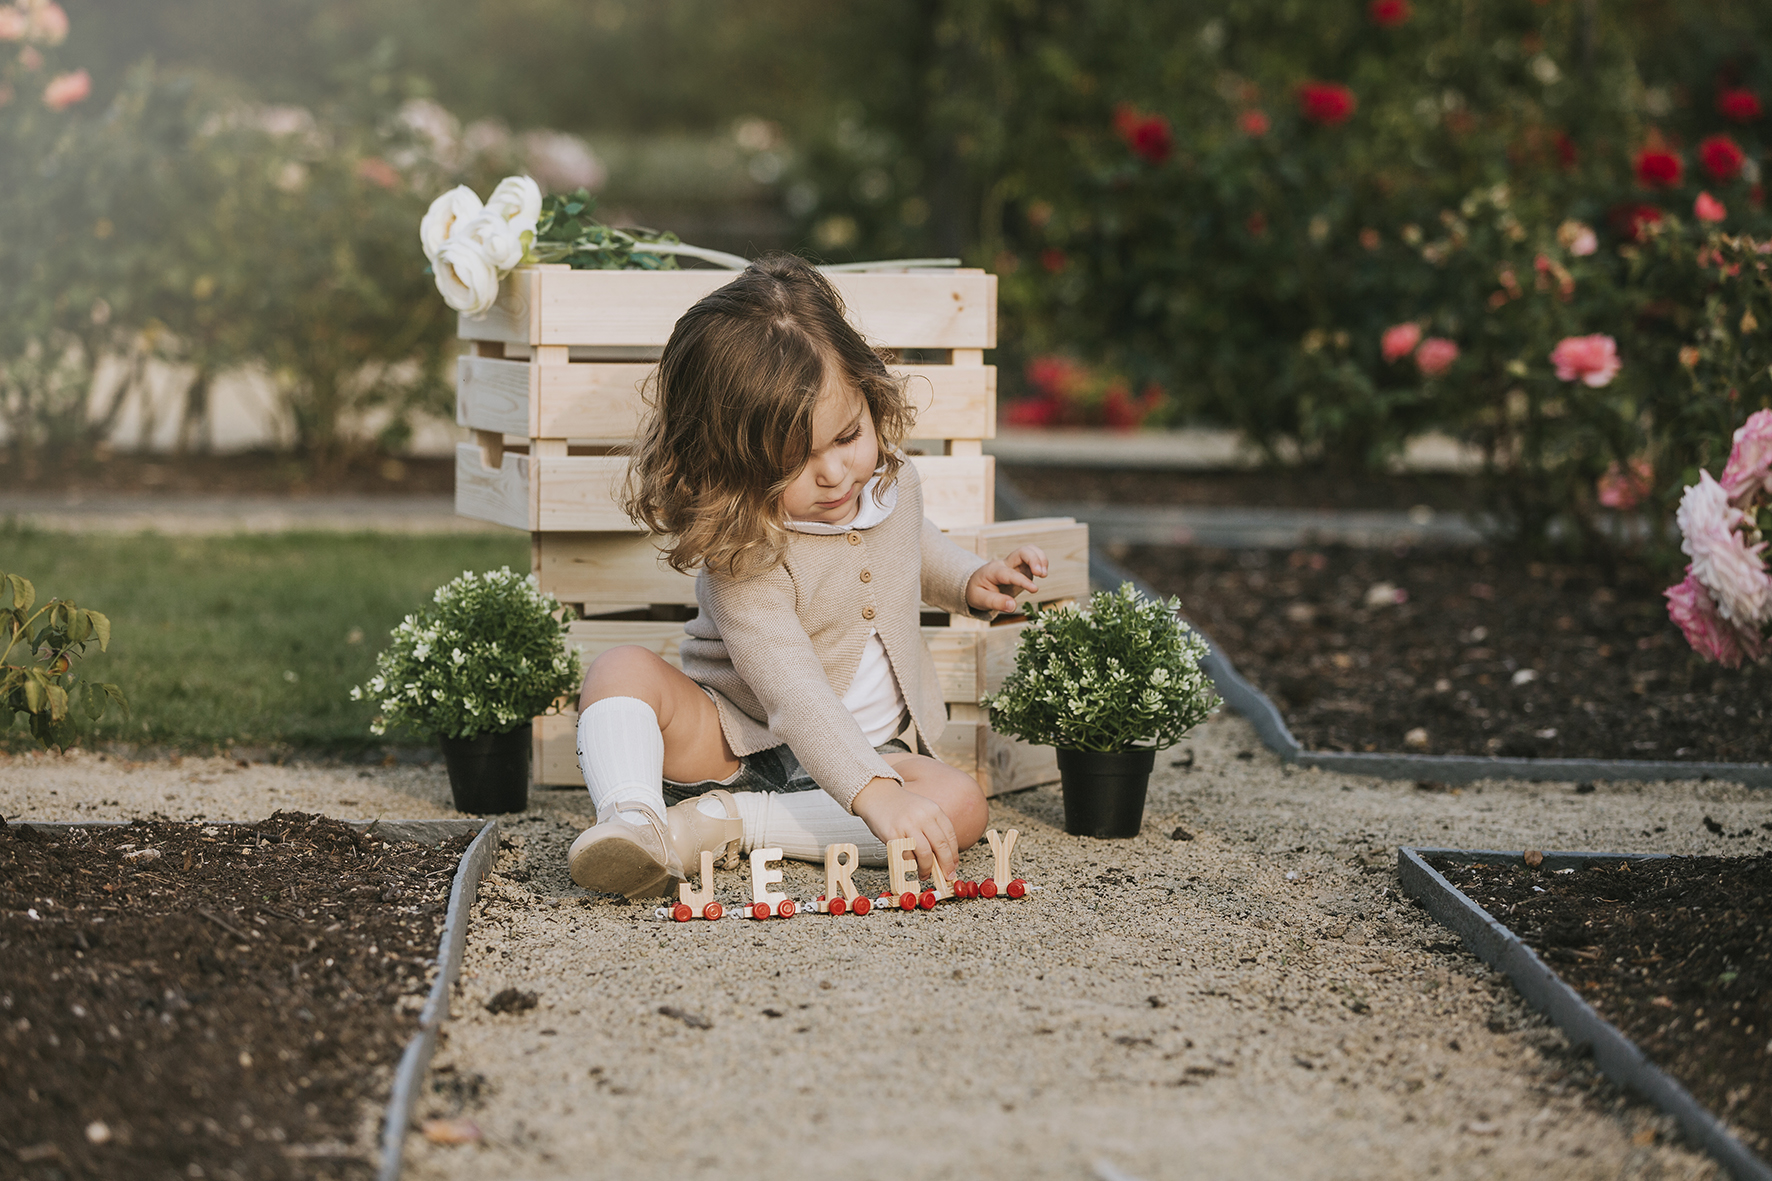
x=616 y=857
x=693 y=830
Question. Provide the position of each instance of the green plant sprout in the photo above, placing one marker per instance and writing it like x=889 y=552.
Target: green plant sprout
x=45 y=687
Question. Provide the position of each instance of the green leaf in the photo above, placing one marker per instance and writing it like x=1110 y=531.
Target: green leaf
x=101 y=627
x=116 y=694
x=93 y=699
x=36 y=693
x=79 y=627
x=58 y=702
x=21 y=592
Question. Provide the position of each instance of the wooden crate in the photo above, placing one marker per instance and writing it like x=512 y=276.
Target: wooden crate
x=553 y=389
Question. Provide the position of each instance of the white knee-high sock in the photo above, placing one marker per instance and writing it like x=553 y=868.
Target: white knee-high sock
x=801 y=824
x=621 y=753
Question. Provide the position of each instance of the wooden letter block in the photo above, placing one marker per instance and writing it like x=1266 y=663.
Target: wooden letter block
x=943 y=888
x=901 y=866
x=839 y=870
x=1001 y=847
x=763 y=877
x=697 y=899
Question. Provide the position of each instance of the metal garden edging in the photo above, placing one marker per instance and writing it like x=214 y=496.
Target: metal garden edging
x=416 y=1059
x=1616 y=1055
x=475 y=863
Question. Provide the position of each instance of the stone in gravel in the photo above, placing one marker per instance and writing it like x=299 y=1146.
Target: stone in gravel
x=692 y=1020
x=1416 y=739
x=451 y=1131
x=1181 y=834
x=1533 y=858
x=512 y=1000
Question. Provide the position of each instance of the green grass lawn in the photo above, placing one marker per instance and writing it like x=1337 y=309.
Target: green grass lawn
x=253 y=638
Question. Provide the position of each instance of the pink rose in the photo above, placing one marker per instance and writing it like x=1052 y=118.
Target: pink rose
x=13 y=24
x=64 y=90
x=1435 y=356
x=49 y=24
x=1624 y=490
x=1708 y=208
x=1590 y=359
x=1731 y=570
x=1399 y=341
x=1749 y=469
x=1711 y=636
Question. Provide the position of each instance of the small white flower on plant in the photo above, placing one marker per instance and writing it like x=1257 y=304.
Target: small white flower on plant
x=1731 y=570
x=448 y=212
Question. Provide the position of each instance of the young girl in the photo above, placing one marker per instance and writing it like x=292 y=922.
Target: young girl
x=807 y=703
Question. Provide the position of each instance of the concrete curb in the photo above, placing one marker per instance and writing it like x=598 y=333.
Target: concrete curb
x=1616 y=1055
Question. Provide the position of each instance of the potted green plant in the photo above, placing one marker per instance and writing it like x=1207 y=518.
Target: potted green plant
x=44 y=687
x=474 y=668
x=1109 y=685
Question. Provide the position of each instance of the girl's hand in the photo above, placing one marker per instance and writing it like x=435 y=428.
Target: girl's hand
x=986 y=589
x=892 y=813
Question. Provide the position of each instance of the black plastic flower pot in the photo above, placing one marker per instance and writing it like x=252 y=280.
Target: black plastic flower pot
x=489 y=772
x=1104 y=790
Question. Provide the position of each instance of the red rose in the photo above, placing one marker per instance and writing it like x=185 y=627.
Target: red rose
x=1388 y=14
x=1659 y=168
x=1722 y=157
x=1326 y=103
x=1035 y=412
x=1053 y=259
x=1567 y=155
x=1740 y=104
x=1628 y=221
x=1253 y=122
x=1126 y=117
x=1151 y=139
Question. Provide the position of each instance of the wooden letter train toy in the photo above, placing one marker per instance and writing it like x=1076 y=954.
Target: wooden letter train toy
x=905 y=891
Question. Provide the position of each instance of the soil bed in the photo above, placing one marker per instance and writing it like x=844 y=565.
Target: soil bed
x=1677 y=954
x=1485 y=656
x=223 y=1001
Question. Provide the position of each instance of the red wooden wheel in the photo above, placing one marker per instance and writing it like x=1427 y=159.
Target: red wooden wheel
x=966 y=889
x=927 y=901
x=787 y=908
x=760 y=910
x=837 y=905
x=1017 y=888
x=987 y=888
x=860 y=906
x=907 y=901
x=682 y=913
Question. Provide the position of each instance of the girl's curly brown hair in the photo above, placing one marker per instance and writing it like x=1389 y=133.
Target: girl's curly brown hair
x=729 y=415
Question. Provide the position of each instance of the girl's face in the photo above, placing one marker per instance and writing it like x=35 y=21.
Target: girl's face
x=845 y=452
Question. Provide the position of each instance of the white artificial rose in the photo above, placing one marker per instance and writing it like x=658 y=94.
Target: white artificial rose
x=466 y=276
x=446 y=214
x=500 y=240
x=517 y=199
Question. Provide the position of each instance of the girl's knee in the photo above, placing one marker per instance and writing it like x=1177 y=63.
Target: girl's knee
x=625 y=671
x=959 y=795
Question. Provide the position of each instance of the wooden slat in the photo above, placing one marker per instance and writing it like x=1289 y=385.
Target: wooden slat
x=1065 y=542
x=1011 y=764
x=593 y=637
x=924 y=310
x=604 y=570
x=578 y=493
x=499 y=495
x=603 y=400
x=952 y=401
x=554 y=756
x=957 y=664
x=958 y=490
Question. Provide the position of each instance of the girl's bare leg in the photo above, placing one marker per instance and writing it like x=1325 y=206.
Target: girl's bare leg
x=694 y=746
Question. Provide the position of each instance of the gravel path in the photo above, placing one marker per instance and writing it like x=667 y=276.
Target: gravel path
x=1254 y=1001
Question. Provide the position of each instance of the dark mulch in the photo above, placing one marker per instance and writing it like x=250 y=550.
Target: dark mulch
x=220 y=1001
x=1306 y=488
x=1677 y=954
x=1489 y=654
x=246 y=474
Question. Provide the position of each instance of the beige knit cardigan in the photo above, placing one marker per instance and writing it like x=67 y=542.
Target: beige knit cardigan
x=779 y=649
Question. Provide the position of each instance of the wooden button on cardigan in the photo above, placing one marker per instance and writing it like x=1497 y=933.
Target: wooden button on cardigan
x=779 y=648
